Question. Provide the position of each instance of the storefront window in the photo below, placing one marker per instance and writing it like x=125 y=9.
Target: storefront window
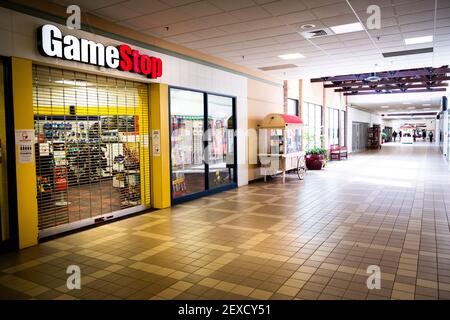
x=293 y=107
x=202 y=142
x=333 y=126
x=92 y=151
x=187 y=122
x=313 y=123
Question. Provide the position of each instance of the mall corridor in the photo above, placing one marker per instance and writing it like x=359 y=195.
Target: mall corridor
x=301 y=240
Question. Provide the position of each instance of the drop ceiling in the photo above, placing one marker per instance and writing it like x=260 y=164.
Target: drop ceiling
x=253 y=33
x=399 y=103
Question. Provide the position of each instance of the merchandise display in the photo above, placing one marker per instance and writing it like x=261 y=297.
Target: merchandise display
x=374 y=136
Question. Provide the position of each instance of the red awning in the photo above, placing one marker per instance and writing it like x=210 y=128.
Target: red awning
x=291 y=119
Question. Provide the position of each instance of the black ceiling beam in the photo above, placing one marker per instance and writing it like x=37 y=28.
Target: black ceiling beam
x=394 y=91
x=367 y=83
x=388 y=74
x=394 y=87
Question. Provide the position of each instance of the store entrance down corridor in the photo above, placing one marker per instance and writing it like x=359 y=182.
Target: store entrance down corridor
x=306 y=239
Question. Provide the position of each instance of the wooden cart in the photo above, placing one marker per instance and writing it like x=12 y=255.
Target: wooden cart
x=280 y=146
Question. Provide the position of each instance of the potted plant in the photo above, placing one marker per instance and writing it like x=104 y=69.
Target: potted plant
x=315 y=158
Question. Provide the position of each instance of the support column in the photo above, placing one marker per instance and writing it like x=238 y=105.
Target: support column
x=160 y=159
x=300 y=98
x=325 y=118
x=27 y=210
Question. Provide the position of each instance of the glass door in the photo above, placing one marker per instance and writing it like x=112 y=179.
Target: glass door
x=187 y=127
x=220 y=141
x=203 y=144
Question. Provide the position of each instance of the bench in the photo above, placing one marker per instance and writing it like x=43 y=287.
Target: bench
x=337 y=152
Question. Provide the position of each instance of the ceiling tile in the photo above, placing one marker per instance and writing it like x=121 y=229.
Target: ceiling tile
x=320 y=3
x=183 y=38
x=236 y=28
x=414 y=7
x=88 y=5
x=230 y=5
x=249 y=14
x=210 y=33
x=116 y=13
x=199 y=9
x=284 y=7
x=176 y=3
x=162 y=18
x=333 y=10
x=144 y=7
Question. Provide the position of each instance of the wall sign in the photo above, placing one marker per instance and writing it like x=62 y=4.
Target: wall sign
x=52 y=43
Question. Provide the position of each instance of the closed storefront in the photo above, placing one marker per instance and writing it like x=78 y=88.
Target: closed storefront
x=92 y=150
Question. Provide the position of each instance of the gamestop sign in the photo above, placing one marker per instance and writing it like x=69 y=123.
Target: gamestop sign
x=52 y=43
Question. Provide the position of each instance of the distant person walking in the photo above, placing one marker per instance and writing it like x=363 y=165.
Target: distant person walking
x=394 y=135
x=430 y=135
x=424 y=135
x=400 y=135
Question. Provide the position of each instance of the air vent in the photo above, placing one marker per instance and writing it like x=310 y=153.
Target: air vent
x=278 y=67
x=318 y=33
x=406 y=52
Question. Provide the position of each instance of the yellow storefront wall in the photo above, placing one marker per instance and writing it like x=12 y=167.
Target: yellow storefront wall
x=22 y=80
x=158 y=196
x=160 y=164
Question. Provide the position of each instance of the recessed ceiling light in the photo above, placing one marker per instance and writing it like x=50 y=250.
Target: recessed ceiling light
x=308 y=26
x=406 y=103
x=417 y=40
x=346 y=28
x=384 y=107
x=411 y=108
x=291 y=56
x=426 y=105
x=426 y=108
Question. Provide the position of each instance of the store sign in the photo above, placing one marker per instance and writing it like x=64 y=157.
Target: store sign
x=52 y=43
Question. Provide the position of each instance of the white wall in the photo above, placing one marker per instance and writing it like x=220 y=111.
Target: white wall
x=18 y=38
x=358 y=115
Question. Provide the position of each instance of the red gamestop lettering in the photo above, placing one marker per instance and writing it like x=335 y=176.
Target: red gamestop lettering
x=133 y=61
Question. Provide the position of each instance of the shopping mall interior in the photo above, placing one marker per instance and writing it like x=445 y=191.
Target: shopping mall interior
x=224 y=150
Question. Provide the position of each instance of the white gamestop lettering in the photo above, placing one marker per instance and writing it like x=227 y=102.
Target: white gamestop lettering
x=52 y=43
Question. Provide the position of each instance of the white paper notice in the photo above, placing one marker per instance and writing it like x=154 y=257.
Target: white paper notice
x=25 y=144
x=25 y=137
x=156 y=143
x=25 y=153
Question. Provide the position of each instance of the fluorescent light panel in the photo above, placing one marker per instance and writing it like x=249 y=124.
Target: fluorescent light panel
x=418 y=40
x=291 y=56
x=347 y=28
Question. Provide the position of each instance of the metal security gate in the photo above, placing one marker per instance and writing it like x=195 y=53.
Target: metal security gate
x=359 y=136
x=92 y=150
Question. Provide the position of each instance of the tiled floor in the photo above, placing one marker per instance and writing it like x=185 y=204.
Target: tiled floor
x=302 y=240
